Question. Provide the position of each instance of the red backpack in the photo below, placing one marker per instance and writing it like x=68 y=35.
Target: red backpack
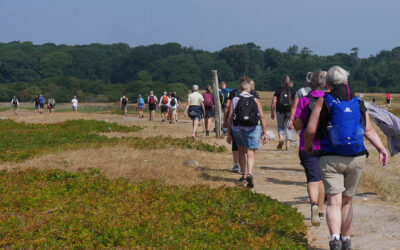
x=208 y=99
x=151 y=100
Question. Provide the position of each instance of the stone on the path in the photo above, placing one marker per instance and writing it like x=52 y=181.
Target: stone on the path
x=191 y=163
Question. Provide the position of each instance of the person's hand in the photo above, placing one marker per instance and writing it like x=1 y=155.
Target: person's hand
x=291 y=124
x=272 y=115
x=264 y=139
x=229 y=139
x=383 y=156
x=185 y=114
x=308 y=148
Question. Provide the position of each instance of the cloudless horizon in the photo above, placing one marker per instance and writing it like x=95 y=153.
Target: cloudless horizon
x=325 y=27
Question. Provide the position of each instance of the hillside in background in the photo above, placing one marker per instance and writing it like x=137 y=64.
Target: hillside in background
x=99 y=72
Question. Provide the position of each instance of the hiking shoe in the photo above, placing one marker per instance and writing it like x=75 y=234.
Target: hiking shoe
x=346 y=244
x=250 y=181
x=335 y=244
x=321 y=215
x=242 y=180
x=207 y=133
x=315 y=220
x=235 y=168
x=280 y=145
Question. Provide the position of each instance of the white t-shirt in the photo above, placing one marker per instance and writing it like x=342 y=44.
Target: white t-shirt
x=195 y=98
x=155 y=99
x=174 y=106
x=74 y=102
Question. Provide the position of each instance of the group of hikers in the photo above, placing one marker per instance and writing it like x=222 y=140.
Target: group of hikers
x=39 y=103
x=332 y=123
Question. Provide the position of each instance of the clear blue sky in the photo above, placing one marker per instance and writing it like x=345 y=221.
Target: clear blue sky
x=323 y=26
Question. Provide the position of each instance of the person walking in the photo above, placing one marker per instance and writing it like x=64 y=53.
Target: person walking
x=388 y=98
x=299 y=94
x=52 y=104
x=315 y=187
x=195 y=108
x=152 y=104
x=178 y=106
x=283 y=101
x=123 y=104
x=224 y=93
x=209 y=105
x=140 y=106
x=74 y=103
x=164 y=100
x=232 y=94
x=246 y=122
x=15 y=105
x=41 y=104
x=341 y=121
x=173 y=108
x=36 y=103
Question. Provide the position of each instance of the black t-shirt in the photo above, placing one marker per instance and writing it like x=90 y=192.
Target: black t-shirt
x=234 y=93
x=278 y=97
x=340 y=93
x=37 y=100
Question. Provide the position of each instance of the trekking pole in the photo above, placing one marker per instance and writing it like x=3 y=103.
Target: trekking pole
x=217 y=104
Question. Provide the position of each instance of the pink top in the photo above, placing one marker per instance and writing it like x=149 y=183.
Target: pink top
x=301 y=113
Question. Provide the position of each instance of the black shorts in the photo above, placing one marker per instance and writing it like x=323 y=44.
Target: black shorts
x=209 y=112
x=41 y=106
x=234 y=146
x=164 y=109
x=388 y=101
x=152 y=106
x=310 y=165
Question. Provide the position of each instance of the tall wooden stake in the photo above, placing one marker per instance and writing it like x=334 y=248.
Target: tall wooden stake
x=217 y=104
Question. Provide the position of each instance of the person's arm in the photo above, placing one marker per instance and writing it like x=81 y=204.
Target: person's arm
x=373 y=137
x=273 y=104
x=293 y=111
x=297 y=124
x=187 y=107
x=229 y=124
x=203 y=108
x=226 y=112
x=312 y=126
x=263 y=122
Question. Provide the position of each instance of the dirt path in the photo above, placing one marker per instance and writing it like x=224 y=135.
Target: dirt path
x=277 y=174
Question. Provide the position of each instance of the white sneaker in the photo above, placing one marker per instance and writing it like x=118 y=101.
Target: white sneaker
x=236 y=168
x=315 y=220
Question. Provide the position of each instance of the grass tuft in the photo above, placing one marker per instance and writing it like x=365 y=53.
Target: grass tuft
x=58 y=209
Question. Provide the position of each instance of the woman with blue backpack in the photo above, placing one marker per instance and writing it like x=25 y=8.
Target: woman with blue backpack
x=341 y=121
x=140 y=106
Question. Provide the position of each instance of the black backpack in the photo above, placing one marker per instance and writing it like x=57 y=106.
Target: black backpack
x=124 y=101
x=15 y=102
x=285 y=100
x=246 y=112
x=172 y=102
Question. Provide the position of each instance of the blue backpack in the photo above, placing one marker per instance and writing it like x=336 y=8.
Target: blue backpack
x=141 y=101
x=345 y=131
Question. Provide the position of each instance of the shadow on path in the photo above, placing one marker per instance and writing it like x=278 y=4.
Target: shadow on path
x=284 y=169
x=283 y=182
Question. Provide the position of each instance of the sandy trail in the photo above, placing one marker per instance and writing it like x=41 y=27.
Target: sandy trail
x=278 y=174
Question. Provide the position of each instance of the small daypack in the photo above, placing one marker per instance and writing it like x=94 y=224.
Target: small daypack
x=141 y=101
x=124 y=101
x=285 y=100
x=15 y=102
x=208 y=100
x=223 y=96
x=165 y=99
x=246 y=112
x=345 y=131
x=172 y=102
x=151 y=100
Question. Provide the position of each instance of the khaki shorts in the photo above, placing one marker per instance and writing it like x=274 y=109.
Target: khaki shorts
x=341 y=174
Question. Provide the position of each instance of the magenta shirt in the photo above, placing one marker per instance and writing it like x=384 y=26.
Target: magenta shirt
x=301 y=113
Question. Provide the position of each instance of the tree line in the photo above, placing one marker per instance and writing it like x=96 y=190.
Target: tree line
x=101 y=72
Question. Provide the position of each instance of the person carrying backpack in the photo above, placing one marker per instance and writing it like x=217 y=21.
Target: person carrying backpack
x=164 y=100
x=173 y=108
x=283 y=101
x=41 y=104
x=209 y=105
x=15 y=104
x=36 y=103
x=341 y=121
x=246 y=122
x=140 y=106
x=315 y=187
x=51 y=104
x=152 y=103
x=123 y=104
x=223 y=98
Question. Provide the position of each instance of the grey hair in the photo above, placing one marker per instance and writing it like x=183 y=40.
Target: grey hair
x=151 y=92
x=337 y=76
x=318 y=79
x=195 y=88
x=245 y=86
x=308 y=77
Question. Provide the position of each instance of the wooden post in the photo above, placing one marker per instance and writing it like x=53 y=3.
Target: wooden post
x=217 y=105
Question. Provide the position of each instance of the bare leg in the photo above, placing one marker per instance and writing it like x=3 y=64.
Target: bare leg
x=242 y=160
x=250 y=160
x=347 y=215
x=235 y=157
x=321 y=196
x=195 y=124
x=334 y=213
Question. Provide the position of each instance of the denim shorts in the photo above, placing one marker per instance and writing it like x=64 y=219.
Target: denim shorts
x=37 y=106
x=249 y=139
